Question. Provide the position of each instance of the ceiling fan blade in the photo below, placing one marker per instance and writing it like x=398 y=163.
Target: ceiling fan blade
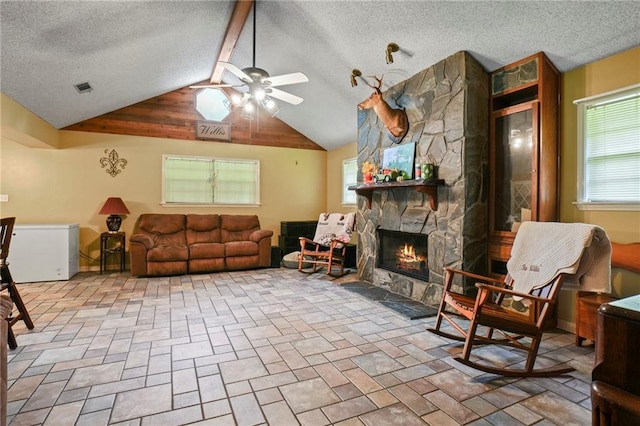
x=214 y=86
x=284 y=79
x=284 y=96
x=237 y=72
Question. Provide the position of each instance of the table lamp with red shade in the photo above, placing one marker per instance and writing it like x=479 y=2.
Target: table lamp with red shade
x=114 y=207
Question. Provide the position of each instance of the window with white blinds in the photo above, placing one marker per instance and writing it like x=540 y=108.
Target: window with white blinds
x=609 y=150
x=201 y=180
x=349 y=177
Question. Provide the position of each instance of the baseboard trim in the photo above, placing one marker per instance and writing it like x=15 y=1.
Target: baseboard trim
x=567 y=326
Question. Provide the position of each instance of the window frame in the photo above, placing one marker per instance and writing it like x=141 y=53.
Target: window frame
x=166 y=203
x=582 y=104
x=345 y=185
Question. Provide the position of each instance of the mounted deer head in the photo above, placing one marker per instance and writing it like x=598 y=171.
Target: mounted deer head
x=395 y=120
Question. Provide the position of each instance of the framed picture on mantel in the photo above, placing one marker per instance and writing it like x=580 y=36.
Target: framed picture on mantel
x=400 y=157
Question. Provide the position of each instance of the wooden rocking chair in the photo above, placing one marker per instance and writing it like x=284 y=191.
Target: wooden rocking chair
x=489 y=311
x=7 y=283
x=328 y=247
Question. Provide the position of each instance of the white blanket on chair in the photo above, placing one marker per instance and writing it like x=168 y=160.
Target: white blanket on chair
x=336 y=226
x=543 y=250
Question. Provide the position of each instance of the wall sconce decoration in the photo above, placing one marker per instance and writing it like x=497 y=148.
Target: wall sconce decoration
x=391 y=48
x=355 y=73
x=112 y=161
x=114 y=207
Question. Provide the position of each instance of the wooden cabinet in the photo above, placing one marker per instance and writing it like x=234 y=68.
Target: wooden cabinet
x=523 y=157
x=615 y=386
x=587 y=305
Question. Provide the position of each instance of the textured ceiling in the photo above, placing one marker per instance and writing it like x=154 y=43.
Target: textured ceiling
x=130 y=51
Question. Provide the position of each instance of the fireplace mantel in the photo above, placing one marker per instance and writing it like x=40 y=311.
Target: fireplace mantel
x=428 y=187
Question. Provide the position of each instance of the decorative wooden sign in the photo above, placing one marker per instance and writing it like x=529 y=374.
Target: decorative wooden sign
x=213 y=130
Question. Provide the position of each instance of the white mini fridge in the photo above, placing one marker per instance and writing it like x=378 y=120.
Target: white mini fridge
x=43 y=252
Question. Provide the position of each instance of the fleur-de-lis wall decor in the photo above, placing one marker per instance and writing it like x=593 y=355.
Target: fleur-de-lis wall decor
x=112 y=161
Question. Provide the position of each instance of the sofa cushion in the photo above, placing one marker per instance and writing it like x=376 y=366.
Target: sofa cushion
x=206 y=251
x=178 y=267
x=240 y=248
x=238 y=227
x=203 y=228
x=164 y=229
x=167 y=253
x=239 y=263
x=206 y=265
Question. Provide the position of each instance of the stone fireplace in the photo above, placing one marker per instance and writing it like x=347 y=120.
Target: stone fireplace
x=447 y=106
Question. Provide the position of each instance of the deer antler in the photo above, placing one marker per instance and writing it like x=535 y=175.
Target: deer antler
x=379 y=80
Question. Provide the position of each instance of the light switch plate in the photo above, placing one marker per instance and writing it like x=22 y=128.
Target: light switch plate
x=4 y=198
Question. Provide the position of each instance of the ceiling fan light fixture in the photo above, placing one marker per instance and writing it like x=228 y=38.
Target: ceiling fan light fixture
x=259 y=94
x=270 y=105
x=247 y=115
x=261 y=86
x=236 y=99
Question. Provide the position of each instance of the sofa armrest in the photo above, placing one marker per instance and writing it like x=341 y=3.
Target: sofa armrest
x=139 y=245
x=260 y=234
x=145 y=240
x=263 y=238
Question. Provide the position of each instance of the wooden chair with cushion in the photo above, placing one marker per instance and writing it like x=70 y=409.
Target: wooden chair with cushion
x=7 y=283
x=328 y=247
x=545 y=256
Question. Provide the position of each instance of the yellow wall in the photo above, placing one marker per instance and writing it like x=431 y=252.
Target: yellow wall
x=334 y=177
x=68 y=185
x=611 y=73
x=20 y=125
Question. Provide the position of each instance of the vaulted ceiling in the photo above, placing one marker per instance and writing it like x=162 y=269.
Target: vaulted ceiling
x=131 y=51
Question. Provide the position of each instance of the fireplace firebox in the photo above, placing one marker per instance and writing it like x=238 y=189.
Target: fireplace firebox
x=404 y=253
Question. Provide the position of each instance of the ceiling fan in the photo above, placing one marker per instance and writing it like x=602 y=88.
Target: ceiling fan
x=261 y=86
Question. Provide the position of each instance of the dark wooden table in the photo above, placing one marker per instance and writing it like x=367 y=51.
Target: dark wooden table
x=111 y=243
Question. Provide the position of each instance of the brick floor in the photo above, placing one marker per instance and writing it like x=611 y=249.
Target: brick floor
x=270 y=346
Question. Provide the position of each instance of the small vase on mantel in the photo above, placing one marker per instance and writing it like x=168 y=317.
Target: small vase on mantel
x=368 y=177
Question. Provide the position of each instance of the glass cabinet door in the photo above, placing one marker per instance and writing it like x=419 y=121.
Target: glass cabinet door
x=514 y=162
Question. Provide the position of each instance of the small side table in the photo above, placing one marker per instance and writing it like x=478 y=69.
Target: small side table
x=587 y=314
x=111 y=243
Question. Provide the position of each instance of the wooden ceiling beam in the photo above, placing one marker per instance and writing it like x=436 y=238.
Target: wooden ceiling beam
x=234 y=29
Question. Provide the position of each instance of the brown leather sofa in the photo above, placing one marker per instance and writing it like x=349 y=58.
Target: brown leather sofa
x=5 y=309
x=176 y=244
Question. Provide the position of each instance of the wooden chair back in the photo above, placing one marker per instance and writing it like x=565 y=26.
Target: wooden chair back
x=334 y=226
x=6 y=231
x=549 y=291
x=7 y=283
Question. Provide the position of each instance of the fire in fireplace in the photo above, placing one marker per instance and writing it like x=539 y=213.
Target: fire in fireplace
x=404 y=253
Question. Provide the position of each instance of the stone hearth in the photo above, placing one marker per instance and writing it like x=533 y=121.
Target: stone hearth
x=447 y=106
